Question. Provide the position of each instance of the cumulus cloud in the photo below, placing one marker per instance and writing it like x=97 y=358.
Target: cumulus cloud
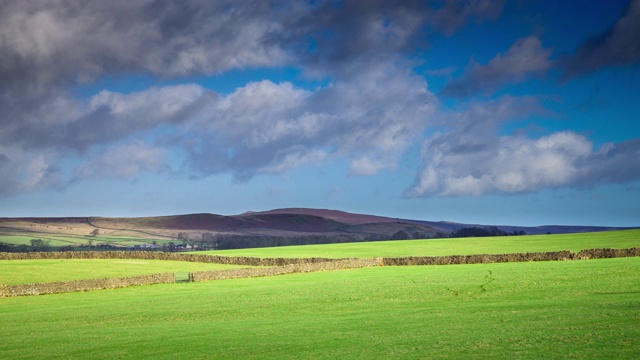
x=23 y=171
x=512 y=164
x=472 y=159
x=524 y=59
x=64 y=123
x=123 y=162
x=371 y=110
x=267 y=127
x=66 y=127
x=618 y=45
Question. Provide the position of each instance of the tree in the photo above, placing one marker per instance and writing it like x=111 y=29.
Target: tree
x=400 y=235
x=208 y=241
x=39 y=245
x=95 y=232
x=6 y=247
x=182 y=236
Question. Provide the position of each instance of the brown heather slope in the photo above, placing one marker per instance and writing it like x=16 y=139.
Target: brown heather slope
x=280 y=222
x=335 y=215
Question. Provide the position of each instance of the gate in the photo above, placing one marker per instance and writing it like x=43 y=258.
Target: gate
x=183 y=277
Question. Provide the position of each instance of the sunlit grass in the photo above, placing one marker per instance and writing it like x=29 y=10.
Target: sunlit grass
x=456 y=246
x=553 y=310
x=75 y=241
x=42 y=271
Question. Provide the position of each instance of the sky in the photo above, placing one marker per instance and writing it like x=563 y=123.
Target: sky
x=493 y=112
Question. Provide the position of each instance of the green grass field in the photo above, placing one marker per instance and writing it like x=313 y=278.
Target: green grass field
x=67 y=240
x=458 y=246
x=553 y=310
x=32 y=271
x=580 y=309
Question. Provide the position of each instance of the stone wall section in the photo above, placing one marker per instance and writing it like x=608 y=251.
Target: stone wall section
x=157 y=255
x=286 y=269
x=272 y=266
x=84 y=285
x=515 y=257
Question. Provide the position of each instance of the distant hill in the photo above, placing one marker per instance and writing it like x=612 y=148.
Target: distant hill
x=281 y=222
x=289 y=226
x=447 y=227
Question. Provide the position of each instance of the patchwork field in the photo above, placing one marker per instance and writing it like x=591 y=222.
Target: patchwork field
x=580 y=309
x=69 y=240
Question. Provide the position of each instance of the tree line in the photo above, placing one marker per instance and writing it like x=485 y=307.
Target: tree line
x=182 y=241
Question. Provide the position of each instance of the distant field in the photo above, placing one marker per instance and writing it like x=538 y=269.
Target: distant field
x=62 y=240
x=457 y=246
x=554 y=310
x=41 y=271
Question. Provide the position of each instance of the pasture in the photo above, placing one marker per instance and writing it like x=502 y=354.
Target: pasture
x=455 y=246
x=555 y=310
x=41 y=271
x=70 y=240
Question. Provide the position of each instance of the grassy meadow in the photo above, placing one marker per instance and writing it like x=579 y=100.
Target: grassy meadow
x=555 y=310
x=68 y=240
x=456 y=246
x=39 y=271
x=581 y=309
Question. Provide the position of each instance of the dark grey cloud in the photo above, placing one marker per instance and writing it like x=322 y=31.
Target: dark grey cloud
x=614 y=163
x=525 y=58
x=619 y=45
x=455 y=13
x=333 y=37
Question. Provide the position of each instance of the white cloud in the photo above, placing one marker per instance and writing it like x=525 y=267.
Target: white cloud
x=374 y=115
x=367 y=166
x=24 y=170
x=123 y=162
x=292 y=158
x=472 y=158
x=515 y=164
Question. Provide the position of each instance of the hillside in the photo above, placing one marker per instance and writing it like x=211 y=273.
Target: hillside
x=281 y=223
x=279 y=227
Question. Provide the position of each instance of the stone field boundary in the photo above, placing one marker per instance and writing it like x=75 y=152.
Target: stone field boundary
x=274 y=266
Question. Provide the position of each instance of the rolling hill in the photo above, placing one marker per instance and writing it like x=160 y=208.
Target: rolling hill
x=289 y=226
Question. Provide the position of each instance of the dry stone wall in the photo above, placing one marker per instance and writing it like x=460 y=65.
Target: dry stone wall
x=84 y=285
x=274 y=266
x=156 y=255
x=286 y=269
x=516 y=257
x=607 y=253
x=310 y=265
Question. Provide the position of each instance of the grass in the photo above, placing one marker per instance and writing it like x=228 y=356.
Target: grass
x=66 y=240
x=554 y=310
x=458 y=246
x=41 y=271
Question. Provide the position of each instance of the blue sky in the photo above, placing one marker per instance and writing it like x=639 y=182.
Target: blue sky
x=496 y=112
